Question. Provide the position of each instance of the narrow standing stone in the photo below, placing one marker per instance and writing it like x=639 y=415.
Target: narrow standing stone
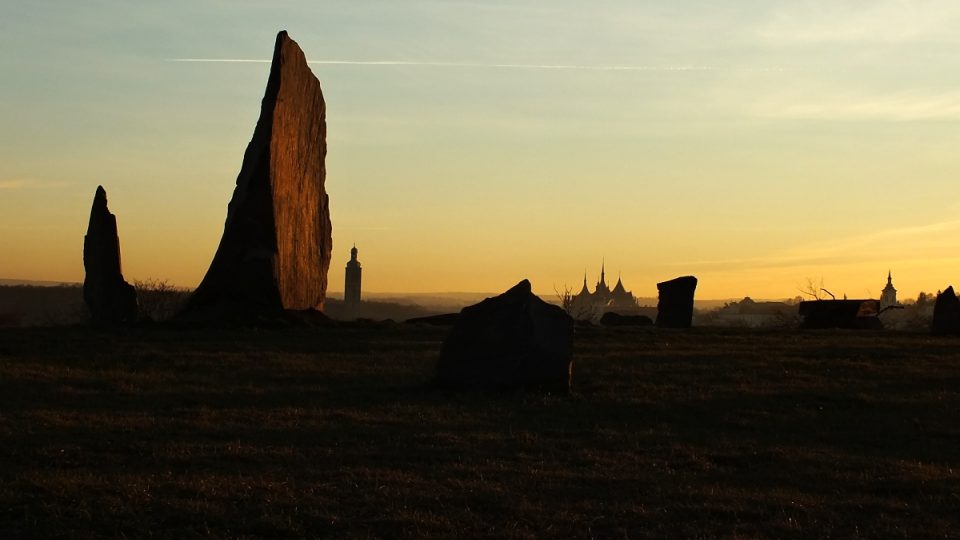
x=111 y=300
x=946 y=313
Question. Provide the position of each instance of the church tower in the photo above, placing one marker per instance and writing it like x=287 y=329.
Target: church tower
x=351 y=286
x=888 y=297
x=602 y=288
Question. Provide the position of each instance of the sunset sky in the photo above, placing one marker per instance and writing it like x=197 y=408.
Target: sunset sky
x=754 y=144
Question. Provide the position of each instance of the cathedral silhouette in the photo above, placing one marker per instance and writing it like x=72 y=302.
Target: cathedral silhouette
x=594 y=304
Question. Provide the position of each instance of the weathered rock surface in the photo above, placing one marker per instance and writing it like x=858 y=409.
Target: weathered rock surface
x=675 y=302
x=275 y=250
x=946 y=313
x=509 y=341
x=111 y=300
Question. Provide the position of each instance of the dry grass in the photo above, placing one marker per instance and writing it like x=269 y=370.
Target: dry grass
x=334 y=432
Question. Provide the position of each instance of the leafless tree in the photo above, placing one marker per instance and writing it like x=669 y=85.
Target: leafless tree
x=567 y=297
x=813 y=289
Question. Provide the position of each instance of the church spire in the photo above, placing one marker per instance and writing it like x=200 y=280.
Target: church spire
x=602 y=287
x=619 y=288
x=888 y=297
x=585 y=291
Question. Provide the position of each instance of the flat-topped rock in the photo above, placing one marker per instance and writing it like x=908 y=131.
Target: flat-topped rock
x=276 y=244
x=109 y=297
x=675 y=302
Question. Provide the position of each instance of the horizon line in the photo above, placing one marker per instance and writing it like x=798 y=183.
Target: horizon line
x=52 y=282
x=555 y=67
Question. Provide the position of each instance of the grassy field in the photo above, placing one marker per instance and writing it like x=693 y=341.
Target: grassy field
x=335 y=432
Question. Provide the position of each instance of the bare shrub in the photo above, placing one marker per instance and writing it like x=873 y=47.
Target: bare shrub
x=158 y=299
x=566 y=298
x=815 y=289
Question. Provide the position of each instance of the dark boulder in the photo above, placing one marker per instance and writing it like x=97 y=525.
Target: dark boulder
x=275 y=250
x=946 y=313
x=846 y=314
x=611 y=318
x=111 y=300
x=515 y=340
x=675 y=302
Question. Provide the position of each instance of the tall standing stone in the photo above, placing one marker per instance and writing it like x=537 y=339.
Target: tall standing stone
x=675 y=302
x=111 y=300
x=946 y=313
x=275 y=250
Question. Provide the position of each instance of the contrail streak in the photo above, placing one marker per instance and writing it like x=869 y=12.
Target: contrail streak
x=458 y=64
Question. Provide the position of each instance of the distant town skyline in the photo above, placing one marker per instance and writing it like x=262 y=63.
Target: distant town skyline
x=755 y=145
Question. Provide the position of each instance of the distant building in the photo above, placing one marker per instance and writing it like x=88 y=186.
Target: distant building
x=587 y=305
x=351 y=286
x=751 y=314
x=888 y=297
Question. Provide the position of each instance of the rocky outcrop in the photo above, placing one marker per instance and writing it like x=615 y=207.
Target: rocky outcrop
x=675 y=302
x=515 y=340
x=946 y=313
x=275 y=250
x=111 y=300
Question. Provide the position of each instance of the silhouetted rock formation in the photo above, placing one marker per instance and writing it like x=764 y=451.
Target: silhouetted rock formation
x=675 y=302
x=111 y=299
x=848 y=314
x=509 y=341
x=946 y=313
x=275 y=250
x=611 y=318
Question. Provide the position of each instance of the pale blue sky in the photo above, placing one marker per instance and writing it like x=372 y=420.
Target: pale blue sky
x=801 y=139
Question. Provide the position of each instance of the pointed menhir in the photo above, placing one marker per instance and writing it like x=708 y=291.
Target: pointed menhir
x=276 y=244
x=111 y=300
